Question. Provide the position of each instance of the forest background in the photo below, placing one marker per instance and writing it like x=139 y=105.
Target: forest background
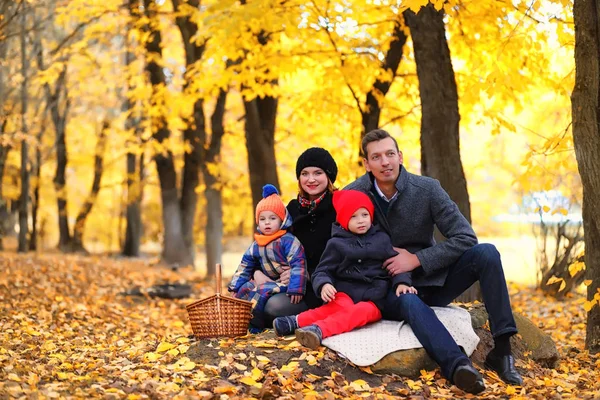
x=147 y=128
x=115 y=99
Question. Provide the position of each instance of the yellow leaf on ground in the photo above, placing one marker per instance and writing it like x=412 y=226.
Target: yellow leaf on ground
x=291 y=366
x=173 y=352
x=164 y=346
x=32 y=331
x=263 y=359
x=360 y=385
x=257 y=374
x=248 y=380
x=14 y=377
x=293 y=345
x=182 y=348
x=188 y=366
x=152 y=356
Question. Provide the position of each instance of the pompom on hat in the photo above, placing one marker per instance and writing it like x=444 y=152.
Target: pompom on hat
x=320 y=158
x=346 y=202
x=271 y=202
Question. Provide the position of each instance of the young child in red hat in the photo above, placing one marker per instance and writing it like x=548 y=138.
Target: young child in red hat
x=273 y=249
x=350 y=277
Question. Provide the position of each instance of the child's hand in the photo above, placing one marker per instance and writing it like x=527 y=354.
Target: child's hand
x=401 y=288
x=295 y=298
x=328 y=292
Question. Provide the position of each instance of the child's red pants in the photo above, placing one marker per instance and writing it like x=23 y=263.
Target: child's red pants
x=340 y=315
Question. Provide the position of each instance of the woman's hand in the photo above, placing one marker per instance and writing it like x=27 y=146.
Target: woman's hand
x=295 y=298
x=284 y=278
x=328 y=292
x=260 y=278
x=402 y=288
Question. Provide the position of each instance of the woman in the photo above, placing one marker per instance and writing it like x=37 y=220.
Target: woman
x=312 y=214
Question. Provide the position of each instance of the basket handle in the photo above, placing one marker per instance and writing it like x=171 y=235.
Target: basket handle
x=218 y=282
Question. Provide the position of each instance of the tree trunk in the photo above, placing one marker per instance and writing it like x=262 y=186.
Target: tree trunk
x=372 y=111
x=35 y=203
x=86 y=208
x=3 y=204
x=175 y=252
x=213 y=241
x=24 y=199
x=131 y=246
x=59 y=120
x=4 y=149
x=586 y=135
x=195 y=133
x=133 y=230
x=440 y=148
x=259 y=127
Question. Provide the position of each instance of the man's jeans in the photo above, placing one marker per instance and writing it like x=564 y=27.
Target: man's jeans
x=480 y=263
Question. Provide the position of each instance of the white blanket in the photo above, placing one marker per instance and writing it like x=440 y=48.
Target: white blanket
x=369 y=344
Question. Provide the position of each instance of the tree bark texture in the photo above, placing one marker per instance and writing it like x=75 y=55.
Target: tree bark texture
x=133 y=213
x=174 y=251
x=195 y=133
x=35 y=201
x=24 y=198
x=133 y=230
x=4 y=149
x=87 y=206
x=213 y=242
x=259 y=127
x=440 y=147
x=3 y=204
x=59 y=120
x=586 y=135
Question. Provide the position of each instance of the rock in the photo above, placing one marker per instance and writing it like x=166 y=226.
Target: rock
x=404 y=363
x=542 y=347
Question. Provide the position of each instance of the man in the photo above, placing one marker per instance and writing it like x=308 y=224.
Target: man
x=408 y=207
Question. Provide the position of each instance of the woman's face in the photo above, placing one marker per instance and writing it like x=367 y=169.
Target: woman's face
x=313 y=181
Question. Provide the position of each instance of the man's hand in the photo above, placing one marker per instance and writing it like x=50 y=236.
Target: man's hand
x=284 y=278
x=295 y=298
x=328 y=292
x=402 y=288
x=260 y=278
x=403 y=262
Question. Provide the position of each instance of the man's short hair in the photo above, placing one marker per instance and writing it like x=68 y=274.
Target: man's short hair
x=375 y=136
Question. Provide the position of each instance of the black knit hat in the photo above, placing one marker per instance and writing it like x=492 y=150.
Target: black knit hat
x=320 y=158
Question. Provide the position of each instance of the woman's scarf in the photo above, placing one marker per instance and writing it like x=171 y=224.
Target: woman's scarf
x=311 y=204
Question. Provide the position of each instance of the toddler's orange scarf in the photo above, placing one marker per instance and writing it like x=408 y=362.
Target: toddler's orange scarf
x=264 y=240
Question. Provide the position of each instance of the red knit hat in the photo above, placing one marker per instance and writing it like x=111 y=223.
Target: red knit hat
x=346 y=202
x=271 y=202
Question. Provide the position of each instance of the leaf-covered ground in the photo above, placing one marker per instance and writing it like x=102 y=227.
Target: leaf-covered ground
x=65 y=331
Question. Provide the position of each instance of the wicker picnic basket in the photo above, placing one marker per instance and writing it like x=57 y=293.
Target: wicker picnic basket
x=218 y=315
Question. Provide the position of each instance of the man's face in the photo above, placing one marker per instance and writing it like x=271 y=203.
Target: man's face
x=383 y=160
